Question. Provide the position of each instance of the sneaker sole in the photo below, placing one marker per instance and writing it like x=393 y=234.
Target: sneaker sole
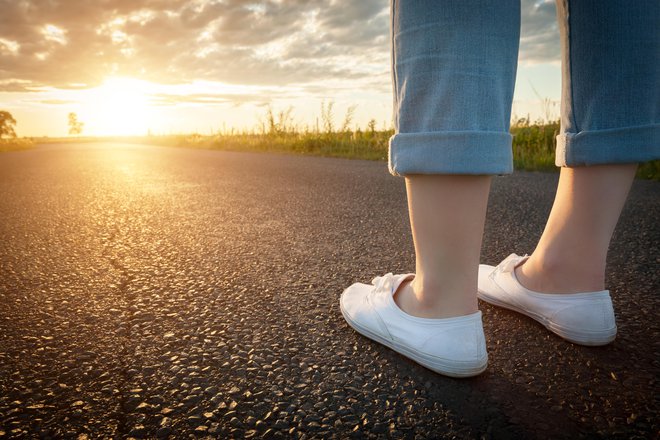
x=593 y=338
x=437 y=364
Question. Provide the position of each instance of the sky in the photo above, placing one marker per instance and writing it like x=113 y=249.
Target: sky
x=169 y=66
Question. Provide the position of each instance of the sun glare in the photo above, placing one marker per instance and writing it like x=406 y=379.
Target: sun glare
x=119 y=107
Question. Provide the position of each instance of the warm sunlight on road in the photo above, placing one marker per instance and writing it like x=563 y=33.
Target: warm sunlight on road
x=154 y=292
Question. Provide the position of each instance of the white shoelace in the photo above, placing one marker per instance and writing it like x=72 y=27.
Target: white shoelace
x=385 y=282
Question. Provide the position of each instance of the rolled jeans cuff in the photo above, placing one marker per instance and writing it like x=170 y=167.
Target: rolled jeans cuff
x=458 y=152
x=612 y=146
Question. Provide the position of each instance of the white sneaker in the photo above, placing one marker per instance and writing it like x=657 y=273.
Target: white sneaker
x=451 y=346
x=582 y=318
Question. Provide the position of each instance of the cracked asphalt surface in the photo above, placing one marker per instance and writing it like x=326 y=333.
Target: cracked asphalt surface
x=152 y=292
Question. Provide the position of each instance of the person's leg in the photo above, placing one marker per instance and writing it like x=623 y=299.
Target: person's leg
x=571 y=254
x=447 y=215
x=610 y=120
x=454 y=67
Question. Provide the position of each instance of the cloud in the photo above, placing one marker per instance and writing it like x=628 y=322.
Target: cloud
x=268 y=42
x=78 y=43
x=539 y=35
x=56 y=101
x=206 y=99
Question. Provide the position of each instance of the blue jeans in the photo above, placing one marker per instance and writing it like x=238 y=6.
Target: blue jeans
x=454 y=67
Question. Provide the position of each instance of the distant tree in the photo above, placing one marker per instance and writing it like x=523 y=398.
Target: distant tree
x=7 y=124
x=75 y=126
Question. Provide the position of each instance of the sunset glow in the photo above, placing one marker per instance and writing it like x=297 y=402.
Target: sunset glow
x=120 y=106
x=166 y=67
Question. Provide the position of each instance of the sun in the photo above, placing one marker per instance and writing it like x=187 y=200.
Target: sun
x=120 y=106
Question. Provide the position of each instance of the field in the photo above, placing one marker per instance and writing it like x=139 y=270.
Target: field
x=533 y=143
x=15 y=144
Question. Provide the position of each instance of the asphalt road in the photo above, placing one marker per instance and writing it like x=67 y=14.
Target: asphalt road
x=153 y=291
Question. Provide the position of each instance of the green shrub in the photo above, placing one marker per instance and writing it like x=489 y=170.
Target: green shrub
x=15 y=144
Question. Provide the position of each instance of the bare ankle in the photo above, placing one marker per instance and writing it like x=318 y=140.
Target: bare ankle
x=418 y=301
x=547 y=275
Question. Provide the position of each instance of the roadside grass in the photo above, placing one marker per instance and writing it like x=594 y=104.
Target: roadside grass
x=649 y=170
x=352 y=145
x=534 y=149
x=533 y=143
x=15 y=144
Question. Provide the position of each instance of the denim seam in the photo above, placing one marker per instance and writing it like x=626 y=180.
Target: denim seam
x=612 y=130
x=569 y=59
x=395 y=88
